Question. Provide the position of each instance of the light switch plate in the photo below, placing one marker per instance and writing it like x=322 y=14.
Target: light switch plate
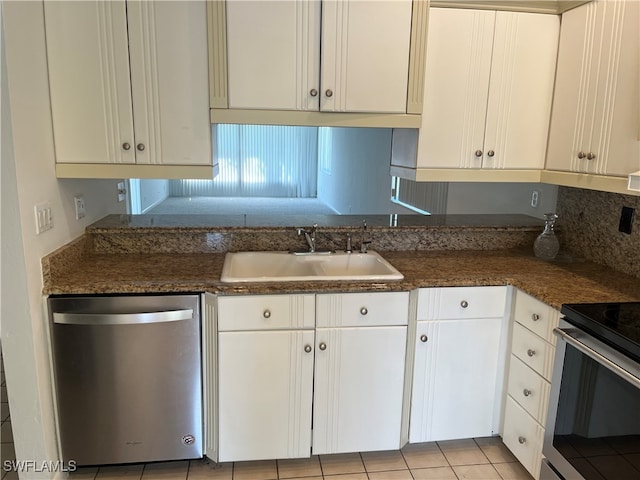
x=44 y=217
x=81 y=211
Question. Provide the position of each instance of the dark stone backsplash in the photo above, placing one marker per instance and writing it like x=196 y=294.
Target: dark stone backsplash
x=588 y=228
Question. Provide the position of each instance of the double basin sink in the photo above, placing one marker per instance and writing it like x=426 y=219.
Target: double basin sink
x=285 y=267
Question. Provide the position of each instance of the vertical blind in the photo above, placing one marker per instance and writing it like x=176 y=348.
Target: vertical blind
x=259 y=161
x=423 y=197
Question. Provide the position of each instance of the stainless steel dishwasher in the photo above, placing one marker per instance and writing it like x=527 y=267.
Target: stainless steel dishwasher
x=128 y=377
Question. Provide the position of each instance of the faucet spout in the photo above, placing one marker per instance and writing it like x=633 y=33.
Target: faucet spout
x=310 y=237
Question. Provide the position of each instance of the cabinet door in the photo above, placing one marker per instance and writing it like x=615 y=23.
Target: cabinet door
x=594 y=123
x=455 y=385
x=265 y=383
x=520 y=90
x=365 y=56
x=359 y=376
x=170 y=82
x=576 y=90
x=456 y=88
x=273 y=54
x=89 y=81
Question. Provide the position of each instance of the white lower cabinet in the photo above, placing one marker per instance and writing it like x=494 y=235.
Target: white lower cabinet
x=359 y=378
x=265 y=397
x=457 y=376
x=265 y=376
x=269 y=389
x=528 y=384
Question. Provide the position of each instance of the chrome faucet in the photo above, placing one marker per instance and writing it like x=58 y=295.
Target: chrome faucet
x=310 y=237
x=364 y=242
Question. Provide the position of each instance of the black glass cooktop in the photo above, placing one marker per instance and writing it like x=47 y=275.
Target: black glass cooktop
x=616 y=324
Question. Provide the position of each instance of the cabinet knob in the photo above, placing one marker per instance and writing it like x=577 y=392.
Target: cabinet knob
x=491 y=153
x=464 y=304
x=526 y=392
x=322 y=346
x=140 y=147
x=266 y=314
x=531 y=352
x=424 y=338
x=363 y=311
x=126 y=146
x=329 y=93
x=307 y=348
x=591 y=156
x=535 y=317
x=521 y=440
x=581 y=155
x=313 y=92
x=478 y=153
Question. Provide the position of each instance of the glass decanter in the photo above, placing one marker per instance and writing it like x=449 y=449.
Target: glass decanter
x=546 y=245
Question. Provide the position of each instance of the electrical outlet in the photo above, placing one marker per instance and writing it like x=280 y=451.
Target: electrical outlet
x=122 y=192
x=626 y=220
x=78 y=200
x=44 y=217
x=535 y=198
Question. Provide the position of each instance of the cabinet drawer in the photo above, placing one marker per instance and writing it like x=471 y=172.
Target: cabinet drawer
x=532 y=350
x=461 y=302
x=529 y=389
x=362 y=309
x=266 y=312
x=537 y=316
x=523 y=436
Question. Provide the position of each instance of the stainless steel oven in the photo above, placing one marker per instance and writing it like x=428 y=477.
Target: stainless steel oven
x=593 y=422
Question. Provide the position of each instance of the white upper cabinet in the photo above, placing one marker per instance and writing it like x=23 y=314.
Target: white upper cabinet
x=128 y=84
x=594 y=125
x=487 y=92
x=273 y=54
x=365 y=56
x=332 y=56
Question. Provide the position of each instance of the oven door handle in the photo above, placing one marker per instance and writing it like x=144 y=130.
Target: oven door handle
x=566 y=335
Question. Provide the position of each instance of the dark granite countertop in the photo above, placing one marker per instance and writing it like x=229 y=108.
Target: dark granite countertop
x=554 y=283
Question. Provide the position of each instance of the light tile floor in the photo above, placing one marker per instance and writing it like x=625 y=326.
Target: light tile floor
x=469 y=459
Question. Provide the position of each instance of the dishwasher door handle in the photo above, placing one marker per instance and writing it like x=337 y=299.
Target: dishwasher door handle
x=122 y=318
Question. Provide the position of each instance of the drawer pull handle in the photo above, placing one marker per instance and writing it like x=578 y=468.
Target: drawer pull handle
x=535 y=317
x=266 y=314
x=464 y=304
x=526 y=392
x=323 y=346
x=363 y=311
x=307 y=348
x=522 y=440
x=424 y=338
x=531 y=352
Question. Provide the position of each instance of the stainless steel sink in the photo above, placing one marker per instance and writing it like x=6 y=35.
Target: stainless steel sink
x=286 y=267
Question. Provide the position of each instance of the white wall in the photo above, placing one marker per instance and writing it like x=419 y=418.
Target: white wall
x=501 y=198
x=152 y=192
x=28 y=177
x=359 y=182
